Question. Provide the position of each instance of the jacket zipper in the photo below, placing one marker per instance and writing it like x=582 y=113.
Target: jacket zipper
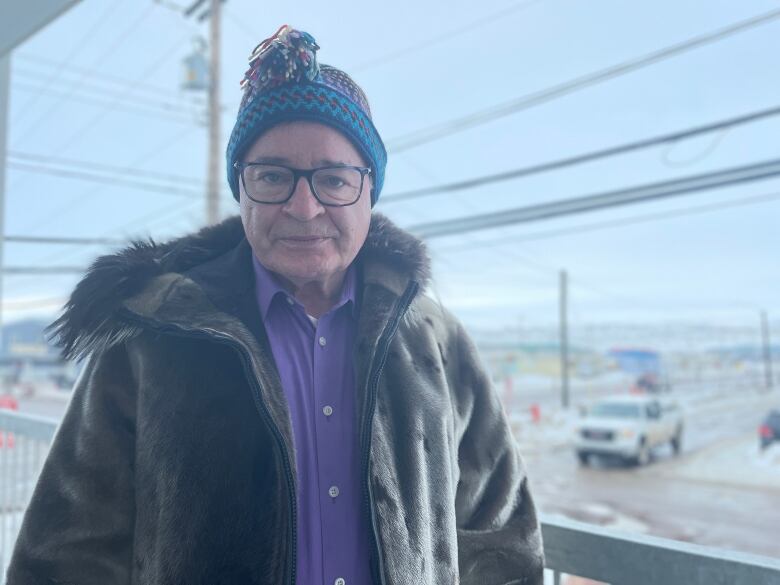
x=383 y=347
x=259 y=404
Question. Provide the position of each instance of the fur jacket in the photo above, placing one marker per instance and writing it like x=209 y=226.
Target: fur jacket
x=173 y=464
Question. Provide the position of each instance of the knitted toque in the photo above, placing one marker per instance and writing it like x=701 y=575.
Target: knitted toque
x=285 y=83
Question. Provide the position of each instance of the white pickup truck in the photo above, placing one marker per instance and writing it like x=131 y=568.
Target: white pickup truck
x=629 y=427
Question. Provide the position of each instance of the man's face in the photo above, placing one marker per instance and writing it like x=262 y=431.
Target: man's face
x=302 y=240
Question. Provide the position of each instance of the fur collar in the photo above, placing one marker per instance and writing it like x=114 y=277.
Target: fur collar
x=88 y=320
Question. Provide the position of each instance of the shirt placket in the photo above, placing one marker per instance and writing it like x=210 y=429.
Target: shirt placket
x=330 y=423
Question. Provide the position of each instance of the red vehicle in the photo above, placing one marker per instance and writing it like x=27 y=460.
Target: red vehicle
x=769 y=431
x=7 y=402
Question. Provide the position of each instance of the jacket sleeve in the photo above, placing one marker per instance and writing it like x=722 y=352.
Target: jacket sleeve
x=78 y=528
x=499 y=539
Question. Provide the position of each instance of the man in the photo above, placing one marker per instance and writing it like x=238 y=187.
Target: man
x=274 y=400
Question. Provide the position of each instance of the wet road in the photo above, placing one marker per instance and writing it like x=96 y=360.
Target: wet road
x=666 y=498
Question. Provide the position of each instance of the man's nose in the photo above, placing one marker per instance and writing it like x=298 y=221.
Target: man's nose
x=303 y=205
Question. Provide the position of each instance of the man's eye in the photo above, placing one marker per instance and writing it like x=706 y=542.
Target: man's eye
x=271 y=178
x=334 y=181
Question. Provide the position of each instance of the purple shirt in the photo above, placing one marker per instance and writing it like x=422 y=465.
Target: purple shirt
x=315 y=365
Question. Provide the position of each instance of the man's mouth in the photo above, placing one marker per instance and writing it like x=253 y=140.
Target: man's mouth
x=304 y=238
x=303 y=241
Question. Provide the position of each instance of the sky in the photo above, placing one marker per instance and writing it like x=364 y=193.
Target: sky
x=102 y=85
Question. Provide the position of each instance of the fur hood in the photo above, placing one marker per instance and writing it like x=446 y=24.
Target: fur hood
x=90 y=317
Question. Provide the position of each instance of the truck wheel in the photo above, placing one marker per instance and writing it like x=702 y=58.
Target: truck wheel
x=583 y=457
x=642 y=457
x=677 y=442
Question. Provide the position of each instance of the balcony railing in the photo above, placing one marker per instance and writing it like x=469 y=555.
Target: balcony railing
x=24 y=443
x=571 y=548
x=620 y=558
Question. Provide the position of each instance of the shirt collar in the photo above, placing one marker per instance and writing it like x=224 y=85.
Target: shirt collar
x=268 y=287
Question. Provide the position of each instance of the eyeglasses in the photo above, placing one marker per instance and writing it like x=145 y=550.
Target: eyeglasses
x=334 y=186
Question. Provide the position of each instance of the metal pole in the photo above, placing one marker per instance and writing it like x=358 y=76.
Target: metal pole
x=767 y=343
x=215 y=158
x=5 y=84
x=564 y=341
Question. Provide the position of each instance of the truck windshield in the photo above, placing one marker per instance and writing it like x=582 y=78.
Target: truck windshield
x=615 y=410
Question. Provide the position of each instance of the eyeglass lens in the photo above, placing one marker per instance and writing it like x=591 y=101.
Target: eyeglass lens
x=273 y=184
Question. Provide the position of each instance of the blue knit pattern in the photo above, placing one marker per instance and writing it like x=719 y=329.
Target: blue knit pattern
x=309 y=101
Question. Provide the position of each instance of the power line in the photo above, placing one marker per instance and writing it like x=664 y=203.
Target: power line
x=169 y=104
x=170 y=115
x=582 y=158
x=101 y=167
x=15 y=270
x=30 y=130
x=147 y=219
x=59 y=67
x=113 y=181
x=618 y=223
x=93 y=76
x=79 y=135
x=600 y=201
x=171 y=6
x=83 y=198
x=190 y=10
x=241 y=25
x=597 y=226
x=439 y=131
x=715 y=142
x=444 y=36
x=63 y=240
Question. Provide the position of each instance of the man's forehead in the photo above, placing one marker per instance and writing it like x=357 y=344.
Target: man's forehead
x=283 y=160
x=304 y=143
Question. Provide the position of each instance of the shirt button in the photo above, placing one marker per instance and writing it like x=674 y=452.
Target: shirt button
x=327 y=411
x=339 y=581
x=333 y=492
x=322 y=341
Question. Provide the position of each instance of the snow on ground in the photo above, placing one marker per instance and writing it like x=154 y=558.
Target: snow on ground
x=737 y=461
x=553 y=431
x=769 y=457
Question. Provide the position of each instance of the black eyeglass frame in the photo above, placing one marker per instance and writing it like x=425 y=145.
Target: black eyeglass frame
x=297 y=174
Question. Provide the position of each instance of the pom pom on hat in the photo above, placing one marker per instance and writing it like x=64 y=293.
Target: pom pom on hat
x=285 y=83
x=288 y=56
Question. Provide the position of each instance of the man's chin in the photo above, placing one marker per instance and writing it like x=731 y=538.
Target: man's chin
x=304 y=267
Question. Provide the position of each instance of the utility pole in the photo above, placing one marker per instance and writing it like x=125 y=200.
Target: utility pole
x=767 y=343
x=5 y=84
x=215 y=158
x=212 y=12
x=564 y=337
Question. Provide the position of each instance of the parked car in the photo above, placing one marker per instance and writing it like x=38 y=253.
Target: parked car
x=769 y=431
x=650 y=383
x=628 y=427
